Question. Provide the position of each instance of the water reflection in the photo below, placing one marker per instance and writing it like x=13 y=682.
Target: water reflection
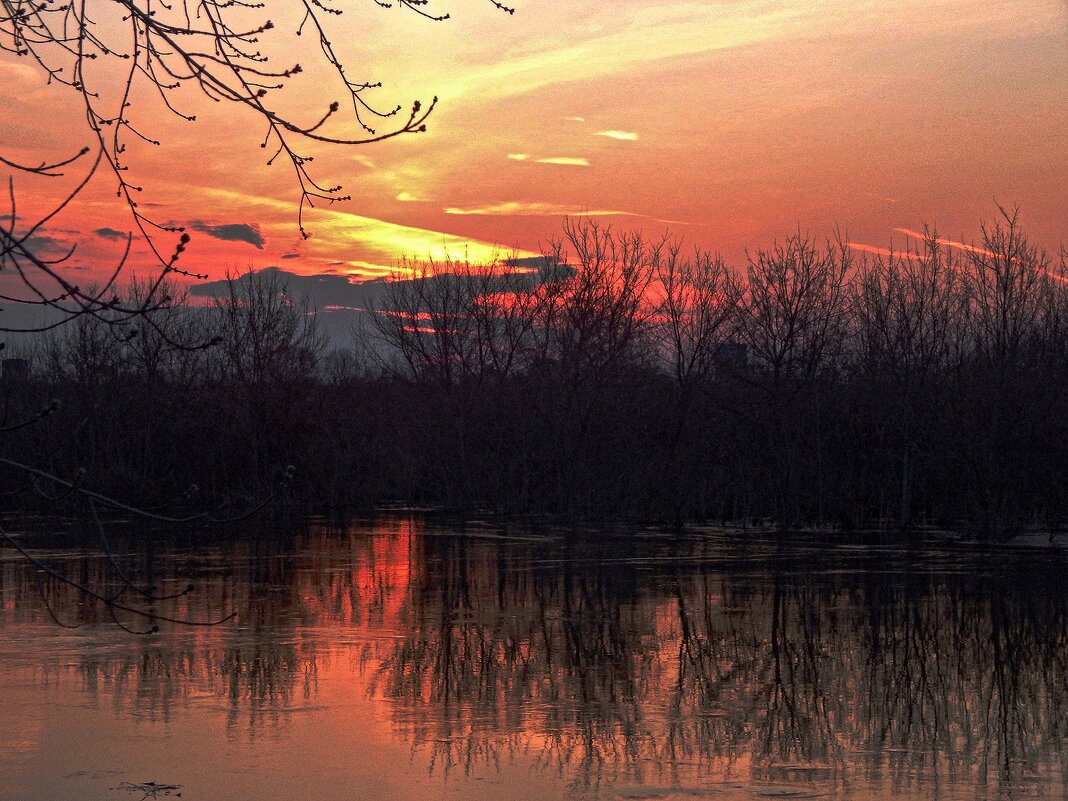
x=619 y=664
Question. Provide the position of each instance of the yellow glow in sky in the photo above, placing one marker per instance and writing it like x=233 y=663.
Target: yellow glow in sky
x=738 y=121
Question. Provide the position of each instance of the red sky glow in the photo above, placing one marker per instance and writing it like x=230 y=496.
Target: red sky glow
x=725 y=123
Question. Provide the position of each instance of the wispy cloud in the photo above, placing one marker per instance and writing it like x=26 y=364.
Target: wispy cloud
x=946 y=242
x=567 y=161
x=407 y=197
x=518 y=156
x=534 y=209
x=643 y=36
x=517 y=208
x=917 y=235
x=639 y=36
x=865 y=248
x=623 y=136
x=575 y=119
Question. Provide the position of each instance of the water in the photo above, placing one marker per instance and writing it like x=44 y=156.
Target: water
x=405 y=661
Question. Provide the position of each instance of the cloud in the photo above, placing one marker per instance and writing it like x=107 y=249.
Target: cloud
x=875 y=249
x=516 y=208
x=232 y=232
x=46 y=246
x=623 y=136
x=575 y=119
x=947 y=242
x=321 y=290
x=530 y=262
x=363 y=240
x=570 y=161
x=333 y=291
x=20 y=71
x=567 y=161
x=290 y=256
x=365 y=269
x=640 y=37
x=524 y=209
x=110 y=233
x=407 y=197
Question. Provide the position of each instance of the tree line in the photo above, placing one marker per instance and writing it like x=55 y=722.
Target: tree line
x=618 y=378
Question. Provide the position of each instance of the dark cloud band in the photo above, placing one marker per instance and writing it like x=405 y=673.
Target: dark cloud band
x=231 y=232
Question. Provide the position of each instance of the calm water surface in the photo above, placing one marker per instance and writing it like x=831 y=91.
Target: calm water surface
x=401 y=660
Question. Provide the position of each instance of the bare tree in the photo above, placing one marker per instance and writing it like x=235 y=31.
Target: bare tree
x=458 y=321
x=265 y=336
x=113 y=54
x=504 y=303
x=909 y=315
x=695 y=317
x=791 y=310
x=599 y=311
x=172 y=342
x=792 y=317
x=1008 y=385
x=1008 y=288
x=695 y=314
x=424 y=317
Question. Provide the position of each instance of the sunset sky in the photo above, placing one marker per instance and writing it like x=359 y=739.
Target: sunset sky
x=726 y=123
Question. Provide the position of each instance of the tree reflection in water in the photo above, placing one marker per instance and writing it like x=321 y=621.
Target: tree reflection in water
x=611 y=659
x=625 y=659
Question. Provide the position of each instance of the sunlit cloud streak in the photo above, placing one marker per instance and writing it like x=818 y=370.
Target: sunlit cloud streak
x=950 y=243
x=518 y=208
x=515 y=208
x=566 y=161
x=370 y=243
x=622 y=136
x=873 y=249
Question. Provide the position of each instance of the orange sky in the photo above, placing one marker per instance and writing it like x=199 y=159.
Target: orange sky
x=727 y=123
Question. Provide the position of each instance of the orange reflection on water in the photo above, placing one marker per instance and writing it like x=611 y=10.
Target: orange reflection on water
x=409 y=661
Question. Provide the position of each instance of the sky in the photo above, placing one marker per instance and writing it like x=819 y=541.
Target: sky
x=725 y=124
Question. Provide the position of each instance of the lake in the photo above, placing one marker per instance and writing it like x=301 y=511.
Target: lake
x=409 y=660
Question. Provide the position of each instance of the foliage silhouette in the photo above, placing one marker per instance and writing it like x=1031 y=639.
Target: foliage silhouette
x=925 y=388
